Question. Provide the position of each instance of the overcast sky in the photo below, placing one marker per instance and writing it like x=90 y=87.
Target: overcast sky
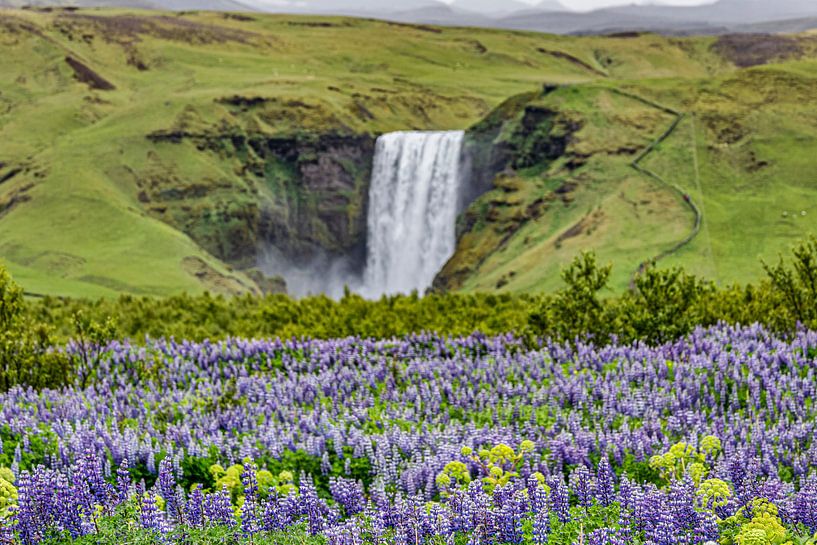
x=593 y=4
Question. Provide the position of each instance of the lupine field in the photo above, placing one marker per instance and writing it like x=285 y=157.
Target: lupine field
x=422 y=439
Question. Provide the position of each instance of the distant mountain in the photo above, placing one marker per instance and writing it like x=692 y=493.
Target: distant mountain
x=341 y=7
x=716 y=18
x=725 y=11
x=551 y=5
x=722 y=16
x=490 y=7
x=443 y=15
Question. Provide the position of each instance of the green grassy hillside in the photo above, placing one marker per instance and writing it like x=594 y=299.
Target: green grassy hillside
x=738 y=147
x=151 y=154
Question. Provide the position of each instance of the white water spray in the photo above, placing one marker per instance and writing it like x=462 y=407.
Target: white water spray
x=413 y=204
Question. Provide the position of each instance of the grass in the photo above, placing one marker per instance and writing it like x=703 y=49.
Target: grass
x=744 y=153
x=79 y=227
x=751 y=173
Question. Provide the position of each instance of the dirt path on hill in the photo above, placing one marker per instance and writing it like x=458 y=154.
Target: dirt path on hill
x=636 y=165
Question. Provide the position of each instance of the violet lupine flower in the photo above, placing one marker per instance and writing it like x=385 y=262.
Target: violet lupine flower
x=605 y=483
x=218 y=510
x=510 y=518
x=541 y=527
x=28 y=517
x=279 y=512
x=249 y=510
x=538 y=496
x=66 y=508
x=167 y=488
x=313 y=507
x=627 y=493
x=150 y=516
x=123 y=482
x=559 y=500
x=92 y=474
x=625 y=524
x=681 y=503
x=805 y=504
x=581 y=485
x=440 y=519
x=706 y=529
x=6 y=529
x=661 y=527
x=348 y=493
x=606 y=536
x=194 y=508
x=347 y=533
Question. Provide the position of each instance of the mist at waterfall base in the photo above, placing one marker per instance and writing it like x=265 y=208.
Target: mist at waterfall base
x=415 y=195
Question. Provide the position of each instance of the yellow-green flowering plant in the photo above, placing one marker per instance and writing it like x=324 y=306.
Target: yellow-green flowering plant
x=684 y=459
x=8 y=494
x=756 y=524
x=714 y=493
x=499 y=464
x=230 y=479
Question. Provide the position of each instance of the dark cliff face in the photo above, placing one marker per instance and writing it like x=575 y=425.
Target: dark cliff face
x=302 y=195
x=325 y=194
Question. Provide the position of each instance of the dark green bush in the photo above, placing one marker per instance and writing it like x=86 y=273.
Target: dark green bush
x=27 y=355
x=661 y=305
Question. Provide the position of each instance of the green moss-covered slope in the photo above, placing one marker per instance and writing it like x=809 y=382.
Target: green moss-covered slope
x=154 y=153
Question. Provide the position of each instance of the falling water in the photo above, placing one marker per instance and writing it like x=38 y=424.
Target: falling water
x=413 y=201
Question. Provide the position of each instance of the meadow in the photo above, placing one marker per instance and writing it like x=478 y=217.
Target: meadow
x=420 y=439
x=600 y=421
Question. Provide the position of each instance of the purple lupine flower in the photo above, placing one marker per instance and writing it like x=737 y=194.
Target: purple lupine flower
x=279 y=513
x=150 y=516
x=581 y=485
x=606 y=536
x=313 y=507
x=28 y=516
x=538 y=496
x=123 y=482
x=249 y=510
x=167 y=489
x=348 y=493
x=625 y=524
x=559 y=500
x=627 y=493
x=541 y=527
x=440 y=520
x=706 y=528
x=194 y=508
x=66 y=509
x=805 y=504
x=218 y=509
x=605 y=483
x=681 y=503
x=510 y=518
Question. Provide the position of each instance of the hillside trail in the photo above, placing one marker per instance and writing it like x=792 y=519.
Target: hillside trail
x=699 y=188
x=690 y=203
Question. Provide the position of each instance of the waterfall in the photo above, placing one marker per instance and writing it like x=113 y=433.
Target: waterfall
x=413 y=202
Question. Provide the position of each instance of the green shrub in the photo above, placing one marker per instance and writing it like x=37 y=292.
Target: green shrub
x=27 y=355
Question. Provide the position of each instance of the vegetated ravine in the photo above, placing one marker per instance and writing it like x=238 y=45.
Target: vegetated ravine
x=415 y=193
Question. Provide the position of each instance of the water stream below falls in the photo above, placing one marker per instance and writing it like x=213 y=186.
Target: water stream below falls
x=413 y=205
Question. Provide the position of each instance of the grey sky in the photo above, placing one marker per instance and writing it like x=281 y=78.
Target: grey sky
x=593 y=4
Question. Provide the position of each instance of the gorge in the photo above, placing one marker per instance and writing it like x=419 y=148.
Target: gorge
x=414 y=196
